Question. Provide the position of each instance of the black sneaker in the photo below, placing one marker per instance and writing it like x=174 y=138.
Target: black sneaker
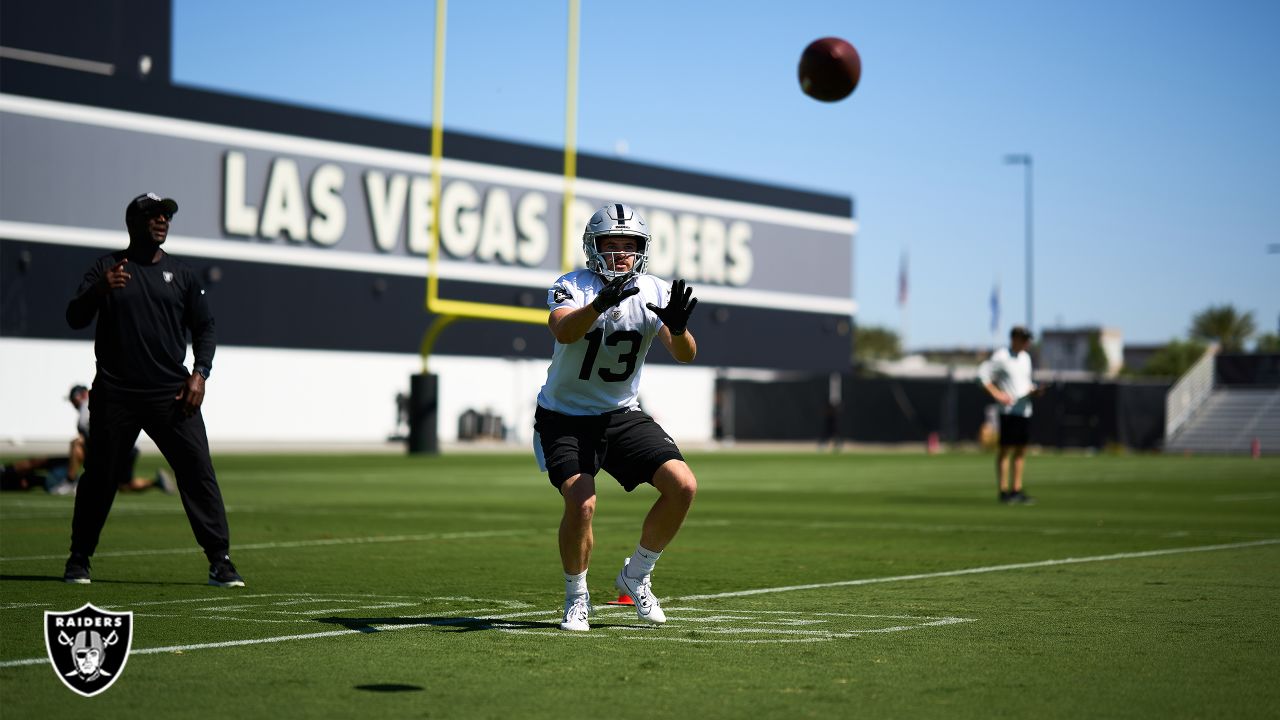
x=223 y=574
x=1005 y=495
x=77 y=571
x=1021 y=498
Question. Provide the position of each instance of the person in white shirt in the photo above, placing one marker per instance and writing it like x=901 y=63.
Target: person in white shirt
x=1006 y=376
x=604 y=320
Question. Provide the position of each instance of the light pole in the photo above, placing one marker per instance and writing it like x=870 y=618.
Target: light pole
x=1024 y=159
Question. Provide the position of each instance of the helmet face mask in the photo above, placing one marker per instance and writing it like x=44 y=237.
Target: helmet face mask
x=615 y=220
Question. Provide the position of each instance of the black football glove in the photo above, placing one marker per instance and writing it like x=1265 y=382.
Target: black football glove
x=676 y=314
x=612 y=293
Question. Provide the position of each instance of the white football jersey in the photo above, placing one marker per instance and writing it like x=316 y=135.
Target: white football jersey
x=1012 y=374
x=601 y=372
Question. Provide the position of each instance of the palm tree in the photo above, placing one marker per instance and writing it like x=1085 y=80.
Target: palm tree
x=1172 y=360
x=1224 y=325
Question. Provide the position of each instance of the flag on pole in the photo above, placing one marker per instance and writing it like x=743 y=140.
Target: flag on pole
x=995 y=308
x=902 y=281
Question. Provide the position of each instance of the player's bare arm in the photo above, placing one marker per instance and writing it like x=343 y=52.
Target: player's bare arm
x=569 y=326
x=997 y=394
x=682 y=347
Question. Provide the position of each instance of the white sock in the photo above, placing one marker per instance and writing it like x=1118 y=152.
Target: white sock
x=642 y=562
x=575 y=585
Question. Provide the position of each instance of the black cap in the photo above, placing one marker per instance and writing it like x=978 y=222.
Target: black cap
x=148 y=205
x=1019 y=333
x=76 y=390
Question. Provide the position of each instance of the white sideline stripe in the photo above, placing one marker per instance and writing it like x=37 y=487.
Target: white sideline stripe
x=295 y=544
x=867 y=581
x=981 y=570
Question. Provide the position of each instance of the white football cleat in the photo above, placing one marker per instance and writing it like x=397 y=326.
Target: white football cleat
x=641 y=593
x=576 y=611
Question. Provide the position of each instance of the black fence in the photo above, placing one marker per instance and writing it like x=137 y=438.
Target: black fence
x=1254 y=370
x=901 y=410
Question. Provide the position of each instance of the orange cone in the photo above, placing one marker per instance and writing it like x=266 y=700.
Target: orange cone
x=623 y=599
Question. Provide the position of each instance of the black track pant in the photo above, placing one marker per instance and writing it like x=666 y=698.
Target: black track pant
x=114 y=423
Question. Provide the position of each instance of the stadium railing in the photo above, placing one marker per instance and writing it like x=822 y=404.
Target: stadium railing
x=1189 y=393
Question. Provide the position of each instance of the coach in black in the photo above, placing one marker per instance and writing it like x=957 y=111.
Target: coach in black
x=147 y=302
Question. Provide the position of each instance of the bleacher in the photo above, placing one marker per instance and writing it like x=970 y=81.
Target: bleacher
x=1228 y=404
x=1230 y=420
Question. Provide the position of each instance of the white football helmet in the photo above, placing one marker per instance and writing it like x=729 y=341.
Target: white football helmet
x=615 y=219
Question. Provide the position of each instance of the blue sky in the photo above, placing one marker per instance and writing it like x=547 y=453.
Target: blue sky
x=1154 y=126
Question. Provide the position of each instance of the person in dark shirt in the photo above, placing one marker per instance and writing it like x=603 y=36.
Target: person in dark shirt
x=146 y=303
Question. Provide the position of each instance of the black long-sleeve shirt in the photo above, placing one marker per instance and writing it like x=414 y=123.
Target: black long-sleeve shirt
x=141 y=337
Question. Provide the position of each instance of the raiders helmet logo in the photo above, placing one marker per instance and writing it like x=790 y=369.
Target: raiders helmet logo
x=88 y=647
x=168 y=276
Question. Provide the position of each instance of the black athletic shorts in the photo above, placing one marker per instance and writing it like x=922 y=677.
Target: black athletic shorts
x=1015 y=430
x=628 y=444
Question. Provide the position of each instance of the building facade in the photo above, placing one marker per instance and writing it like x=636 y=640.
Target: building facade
x=310 y=231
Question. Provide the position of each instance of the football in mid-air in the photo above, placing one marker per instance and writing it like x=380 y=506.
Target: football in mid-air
x=829 y=69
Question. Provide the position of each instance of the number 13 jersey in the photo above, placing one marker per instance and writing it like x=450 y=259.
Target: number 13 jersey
x=600 y=373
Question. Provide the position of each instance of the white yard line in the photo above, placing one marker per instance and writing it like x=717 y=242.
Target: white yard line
x=279 y=638
x=1246 y=498
x=297 y=544
x=759 y=591
x=988 y=569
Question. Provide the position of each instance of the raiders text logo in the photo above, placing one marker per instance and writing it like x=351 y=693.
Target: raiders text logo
x=88 y=647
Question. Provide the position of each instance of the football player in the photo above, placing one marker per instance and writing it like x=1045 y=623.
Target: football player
x=604 y=320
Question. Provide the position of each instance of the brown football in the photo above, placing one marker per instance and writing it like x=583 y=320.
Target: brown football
x=829 y=69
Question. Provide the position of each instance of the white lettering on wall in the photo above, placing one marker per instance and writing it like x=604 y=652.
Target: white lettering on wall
x=497 y=231
x=699 y=248
x=493 y=228
x=282 y=208
x=741 y=262
x=386 y=207
x=662 y=243
x=419 y=241
x=459 y=224
x=330 y=218
x=711 y=246
x=531 y=225
x=238 y=217
x=687 y=246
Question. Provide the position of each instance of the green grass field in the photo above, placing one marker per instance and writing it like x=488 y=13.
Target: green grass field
x=803 y=585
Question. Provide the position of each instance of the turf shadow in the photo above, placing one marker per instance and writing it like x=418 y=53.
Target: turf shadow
x=31 y=578
x=389 y=687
